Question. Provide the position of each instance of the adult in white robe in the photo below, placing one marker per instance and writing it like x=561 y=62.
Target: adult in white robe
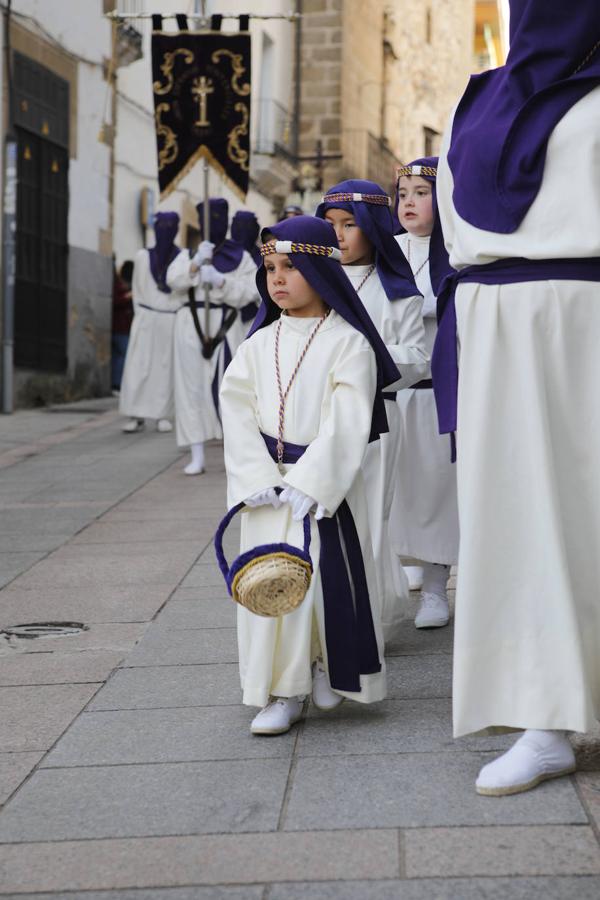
x=147 y=387
x=527 y=244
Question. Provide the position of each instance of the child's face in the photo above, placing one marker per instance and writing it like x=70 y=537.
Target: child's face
x=357 y=249
x=415 y=206
x=289 y=289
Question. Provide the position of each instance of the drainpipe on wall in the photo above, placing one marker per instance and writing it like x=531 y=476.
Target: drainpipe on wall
x=9 y=229
x=298 y=72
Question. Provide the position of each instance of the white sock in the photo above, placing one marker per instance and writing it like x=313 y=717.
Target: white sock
x=196 y=464
x=435 y=579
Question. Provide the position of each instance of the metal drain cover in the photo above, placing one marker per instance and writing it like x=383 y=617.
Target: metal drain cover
x=44 y=630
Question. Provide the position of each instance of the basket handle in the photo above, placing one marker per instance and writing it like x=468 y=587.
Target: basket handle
x=223 y=564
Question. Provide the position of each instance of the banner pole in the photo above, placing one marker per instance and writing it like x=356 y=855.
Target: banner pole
x=206 y=237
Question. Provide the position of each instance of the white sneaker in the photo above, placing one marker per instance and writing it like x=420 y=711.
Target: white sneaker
x=536 y=756
x=433 y=611
x=322 y=694
x=133 y=425
x=163 y=425
x=278 y=716
x=194 y=468
x=415 y=577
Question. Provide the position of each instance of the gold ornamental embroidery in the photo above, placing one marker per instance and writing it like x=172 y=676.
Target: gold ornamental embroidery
x=235 y=153
x=170 y=149
x=201 y=89
x=242 y=90
x=167 y=69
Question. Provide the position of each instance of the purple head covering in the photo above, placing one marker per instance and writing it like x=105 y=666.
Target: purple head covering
x=165 y=250
x=506 y=116
x=439 y=265
x=375 y=220
x=326 y=276
x=245 y=230
x=228 y=254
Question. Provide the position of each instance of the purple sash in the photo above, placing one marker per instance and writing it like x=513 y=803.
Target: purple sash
x=349 y=630
x=444 y=360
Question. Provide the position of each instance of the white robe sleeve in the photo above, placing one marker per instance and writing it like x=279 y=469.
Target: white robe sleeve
x=248 y=464
x=179 y=277
x=239 y=287
x=404 y=337
x=333 y=459
x=137 y=284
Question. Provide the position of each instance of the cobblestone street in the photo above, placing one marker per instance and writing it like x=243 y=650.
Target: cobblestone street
x=127 y=770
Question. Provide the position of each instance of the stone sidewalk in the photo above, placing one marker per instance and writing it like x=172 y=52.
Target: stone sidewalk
x=127 y=770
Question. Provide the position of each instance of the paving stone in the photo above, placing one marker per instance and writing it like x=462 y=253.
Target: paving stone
x=393 y=726
x=421 y=675
x=14 y=564
x=248 y=892
x=58 y=668
x=178 y=552
x=218 y=645
x=14 y=768
x=141 y=800
x=216 y=591
x=241 y=858
x=199 y=613
x=170 y=686
x=31 y=543
x=97 y=603
x=34 y=717
x=415 y=790
x=164 y=735
x=588 y=784
x=154 y=530
x=546 y=850
x=411 y=640
x=587 y=749
x=100 y=636
x=203 y=576
x=582 y=888
x=86 y=571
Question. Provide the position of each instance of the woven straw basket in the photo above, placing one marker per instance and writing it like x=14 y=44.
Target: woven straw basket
x=270 y=580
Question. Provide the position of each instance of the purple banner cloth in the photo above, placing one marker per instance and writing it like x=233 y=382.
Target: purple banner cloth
x=444 y=360
x=349 y=629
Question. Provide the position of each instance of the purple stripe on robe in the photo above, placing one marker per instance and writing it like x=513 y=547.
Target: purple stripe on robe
x=444 y=360
x=349 y=630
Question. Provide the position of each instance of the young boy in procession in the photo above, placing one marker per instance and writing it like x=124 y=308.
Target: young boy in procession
x=229 y=272
x=147 y=385
x=424 y=515
x=519 y=197
x=360 y=214
x=300 y=402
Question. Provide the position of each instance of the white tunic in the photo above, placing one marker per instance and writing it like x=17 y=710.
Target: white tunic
x=329 y=407
x=527 y=645
x=197 y=379
x=424 y=517
x=147 y=386
x=400 y=325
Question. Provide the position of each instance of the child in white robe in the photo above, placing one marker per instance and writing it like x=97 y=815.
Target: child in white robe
x=424 y=513
x=147 y=384
x=228 y=271
x=360 y=214
x=336 y=367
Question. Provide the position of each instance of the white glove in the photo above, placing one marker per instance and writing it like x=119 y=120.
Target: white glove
x=264 y=498
x=204 y=253
x=301 y=504
x=209 y=275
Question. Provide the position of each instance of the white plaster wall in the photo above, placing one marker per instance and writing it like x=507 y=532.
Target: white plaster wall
x=135 y=150
x=80 y=28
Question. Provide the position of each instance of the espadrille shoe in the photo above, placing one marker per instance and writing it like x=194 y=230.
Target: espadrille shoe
x=536 y=756
x=278 y=716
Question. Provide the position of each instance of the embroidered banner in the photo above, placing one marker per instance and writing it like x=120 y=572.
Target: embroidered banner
x=201 y=84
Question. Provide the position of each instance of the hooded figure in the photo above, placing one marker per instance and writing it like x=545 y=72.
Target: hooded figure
x=147 y=385
x=360 y=212
x=245 y=230
x=308 y=436
x=203 y=349
x=519 y=199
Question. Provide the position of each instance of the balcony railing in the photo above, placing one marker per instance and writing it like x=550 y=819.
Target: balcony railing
x=274 y=133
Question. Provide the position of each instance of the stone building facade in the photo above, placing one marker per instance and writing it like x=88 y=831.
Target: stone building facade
x=378 y=81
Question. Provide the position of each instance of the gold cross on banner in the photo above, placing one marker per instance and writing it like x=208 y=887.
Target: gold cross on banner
x=201 y=89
